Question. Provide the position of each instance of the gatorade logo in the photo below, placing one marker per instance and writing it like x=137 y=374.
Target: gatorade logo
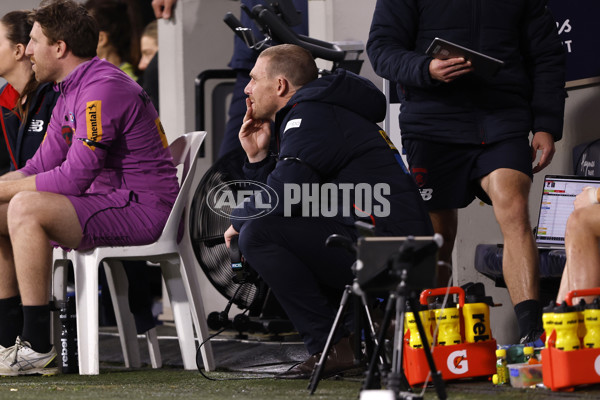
x=597 y=365
x=457 y=362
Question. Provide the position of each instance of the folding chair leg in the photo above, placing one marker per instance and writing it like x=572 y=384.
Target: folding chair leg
x=153 y=348
x=181 y=312
x=86 y=294
x=192 y=283
x=118 y=286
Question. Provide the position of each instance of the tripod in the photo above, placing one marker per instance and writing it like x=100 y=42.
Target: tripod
x=362 y=314
x=398 y=299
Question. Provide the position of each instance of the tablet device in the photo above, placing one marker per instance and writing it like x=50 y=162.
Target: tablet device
x=483 y=65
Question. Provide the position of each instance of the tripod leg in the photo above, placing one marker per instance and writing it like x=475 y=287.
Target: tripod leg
x=396 y=379
x=372 y=380
x=372 y=335
x=436 y=376
x=318 y=369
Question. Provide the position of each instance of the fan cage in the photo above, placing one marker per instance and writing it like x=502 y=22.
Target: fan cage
x=207 y=229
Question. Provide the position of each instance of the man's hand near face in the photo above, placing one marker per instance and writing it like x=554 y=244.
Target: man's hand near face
x=255 y=136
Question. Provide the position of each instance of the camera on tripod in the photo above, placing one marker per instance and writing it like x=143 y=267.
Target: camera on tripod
x=381 y=261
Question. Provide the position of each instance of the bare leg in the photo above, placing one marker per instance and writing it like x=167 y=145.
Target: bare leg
x=35 y=218
x=8 y=283
x=583 y=256
x=509 y=191
x=445 y=223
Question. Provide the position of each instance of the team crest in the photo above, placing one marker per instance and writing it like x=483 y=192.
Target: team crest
x=420 y=176
x=67 y=134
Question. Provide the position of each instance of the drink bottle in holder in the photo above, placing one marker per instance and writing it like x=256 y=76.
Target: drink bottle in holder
x=591 y=339
x=565 y=325
x=448 y=323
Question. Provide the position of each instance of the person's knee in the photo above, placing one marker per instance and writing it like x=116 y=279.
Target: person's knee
x=253 y=236
x=578 y=223
x=21 y=210
x=509 y=192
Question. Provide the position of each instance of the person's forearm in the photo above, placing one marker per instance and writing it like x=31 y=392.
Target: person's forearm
x=9 y=188
x=11 y=176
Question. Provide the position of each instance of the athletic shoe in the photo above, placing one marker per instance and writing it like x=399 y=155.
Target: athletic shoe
x=535 y=338
x=21 y=359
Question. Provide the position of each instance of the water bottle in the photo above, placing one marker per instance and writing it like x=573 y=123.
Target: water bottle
x=548 y=320
x=448 y=322
x=476 y=314
x=415 y=340
x=565 y=325
x=591 y=339
x=69 y=362
x=502 y=376
x=581 y=329
x=411 y=325
x=428 y=320
x=529 y=353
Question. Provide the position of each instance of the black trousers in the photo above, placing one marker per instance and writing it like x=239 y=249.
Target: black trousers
x=306 y=277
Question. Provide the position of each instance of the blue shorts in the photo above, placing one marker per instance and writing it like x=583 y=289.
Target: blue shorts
x=113 y=220
x=448 y=174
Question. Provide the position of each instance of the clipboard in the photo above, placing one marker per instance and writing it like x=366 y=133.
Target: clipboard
x=483 y=65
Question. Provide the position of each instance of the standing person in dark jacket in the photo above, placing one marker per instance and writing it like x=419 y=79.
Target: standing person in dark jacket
x=329 y=143
x=466 y=134
x=25 y=105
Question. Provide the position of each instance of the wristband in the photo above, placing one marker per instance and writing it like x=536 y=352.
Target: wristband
x=593 y=195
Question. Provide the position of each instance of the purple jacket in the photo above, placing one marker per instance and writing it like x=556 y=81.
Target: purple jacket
x=105 y=137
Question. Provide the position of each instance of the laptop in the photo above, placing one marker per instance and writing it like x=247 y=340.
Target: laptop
x=556 y=204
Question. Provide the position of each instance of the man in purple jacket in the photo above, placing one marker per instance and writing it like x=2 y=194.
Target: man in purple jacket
x=102 y=176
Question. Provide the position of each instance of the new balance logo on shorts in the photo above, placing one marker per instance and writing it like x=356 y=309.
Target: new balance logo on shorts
x=420 y=177
x=426 y=194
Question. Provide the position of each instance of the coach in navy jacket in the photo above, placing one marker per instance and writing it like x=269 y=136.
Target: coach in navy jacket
x=328 y=139
x=467 y=133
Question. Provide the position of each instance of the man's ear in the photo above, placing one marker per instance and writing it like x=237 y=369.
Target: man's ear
x=102 y=39
x=60 y=49
x=283 y=86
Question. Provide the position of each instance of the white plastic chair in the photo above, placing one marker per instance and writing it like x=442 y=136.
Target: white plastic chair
x=177 y=262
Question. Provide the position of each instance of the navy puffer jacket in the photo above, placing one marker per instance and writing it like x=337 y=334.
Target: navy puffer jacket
x=526 y=95
x=328 y=135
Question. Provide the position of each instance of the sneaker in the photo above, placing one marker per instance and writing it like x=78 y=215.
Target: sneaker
x=21 y=359
x=535 y=338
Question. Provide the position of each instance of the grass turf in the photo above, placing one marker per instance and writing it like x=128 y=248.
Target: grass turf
x=169 y=383
x=175 y=383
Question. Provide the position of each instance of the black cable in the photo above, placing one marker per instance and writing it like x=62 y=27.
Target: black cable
x=216 y=334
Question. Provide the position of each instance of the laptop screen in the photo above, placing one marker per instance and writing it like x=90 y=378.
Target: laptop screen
x=556 y=205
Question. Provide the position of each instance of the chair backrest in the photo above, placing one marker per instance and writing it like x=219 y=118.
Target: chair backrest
x=184 y=151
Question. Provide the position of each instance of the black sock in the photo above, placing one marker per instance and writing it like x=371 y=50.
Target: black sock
x=529 y=316
x=36 y=327
x=11 y=320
